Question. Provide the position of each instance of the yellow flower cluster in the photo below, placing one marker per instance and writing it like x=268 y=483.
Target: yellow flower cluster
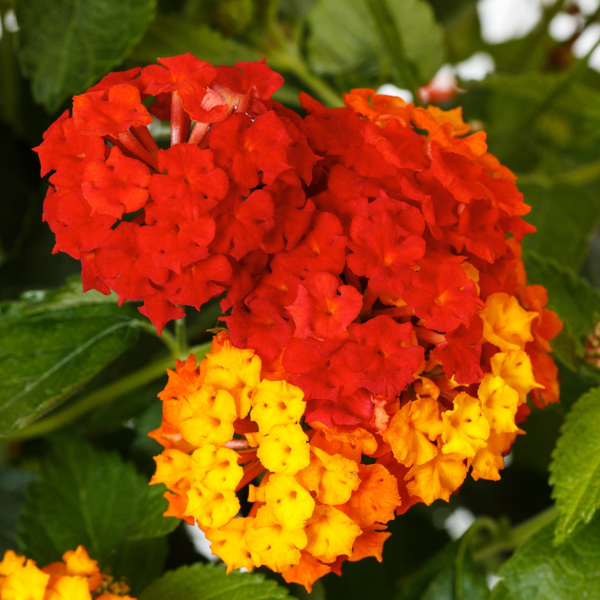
x=315 y=506
x=226 y=423
x=76 y=577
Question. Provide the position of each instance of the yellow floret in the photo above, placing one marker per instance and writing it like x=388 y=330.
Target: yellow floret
x=290 y=503
x=272 y=544
x=516 y=370
x=334 y=478
x=216 y=468
x=285 y=449
x=506 y=323
x=330 y=534
x=234 y=370
x=465 y=427
x=276 y=403
x=499 y=403
x=207 y=417
x=69 y=588
x=211 y=508
x=229 y=544
x=25 y=583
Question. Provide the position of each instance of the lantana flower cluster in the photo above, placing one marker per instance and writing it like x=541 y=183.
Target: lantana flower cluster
x=381 y=338
x=76 y=577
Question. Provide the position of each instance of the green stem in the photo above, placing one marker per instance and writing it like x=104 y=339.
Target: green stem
x=166 y=337
x=103 y=396
x=181 y=338
x=518 y=535
x=482 y=523
x=586 y=174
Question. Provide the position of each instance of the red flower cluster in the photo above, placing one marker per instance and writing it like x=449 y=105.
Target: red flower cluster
x=372 y=262
x=181 y=225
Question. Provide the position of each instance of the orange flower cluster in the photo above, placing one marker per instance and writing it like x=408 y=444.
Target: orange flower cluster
x=231 y=420
x=76 y=577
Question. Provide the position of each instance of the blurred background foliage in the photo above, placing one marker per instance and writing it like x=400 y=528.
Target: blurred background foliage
x=525 y=71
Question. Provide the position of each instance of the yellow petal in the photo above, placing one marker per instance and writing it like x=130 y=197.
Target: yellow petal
x=334 y=478
x=465 y=427
x=211 y=508
x=285 y=449
x=515 y=368
x=330 y=533
x=276 y=403
x=506 y=323
x=229 y=544
x=290 y=503
x=499 y=403
x=216 y=468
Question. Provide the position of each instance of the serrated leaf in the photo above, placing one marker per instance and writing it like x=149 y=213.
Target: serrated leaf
x=565 y=217
x=204 y=582
x=51 y=344
x=575 y=301
x=83 y=496
x=173 y=35
x=360 y=45
x=68 y=45
x=575 y=469
x=538 y=570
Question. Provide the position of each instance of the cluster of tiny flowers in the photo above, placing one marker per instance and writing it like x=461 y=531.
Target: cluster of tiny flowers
x=374 y=295
x=181 y=225
x=224 y=425
x=76 y=577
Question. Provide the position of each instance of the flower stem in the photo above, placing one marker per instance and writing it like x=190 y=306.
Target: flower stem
x=517 y=535
x=103 y=396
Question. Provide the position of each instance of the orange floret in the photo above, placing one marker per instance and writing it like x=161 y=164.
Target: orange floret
x=334 y=478
x=505 y=323
x=375 y=499
x=516 y=369
x=412 y=430
x=489 y=461
x=437 y=478
x=306 y=572
x=330 y=533
x=229 y=544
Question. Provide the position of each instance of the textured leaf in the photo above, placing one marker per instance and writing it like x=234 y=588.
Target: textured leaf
x=361 y=44
x=93 y=498
x=575 y=470
x=565 y=217
x=204 y=582
x=437 y=579
x=538 y=570
x=12 y=487
x=51 y=343
x=573 y=298
x=68 y=45
x=173 y=35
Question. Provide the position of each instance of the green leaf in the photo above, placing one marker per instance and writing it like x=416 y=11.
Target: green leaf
x=12 y=488
x=449 y=575
x=575 y=301
x=565 y=217
x=204 y=582
x=575 y=470
x=52 y=343
x=173 y=34
x=538 y=570
x=93 y=498
x=68 y=45
x=403 y=32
